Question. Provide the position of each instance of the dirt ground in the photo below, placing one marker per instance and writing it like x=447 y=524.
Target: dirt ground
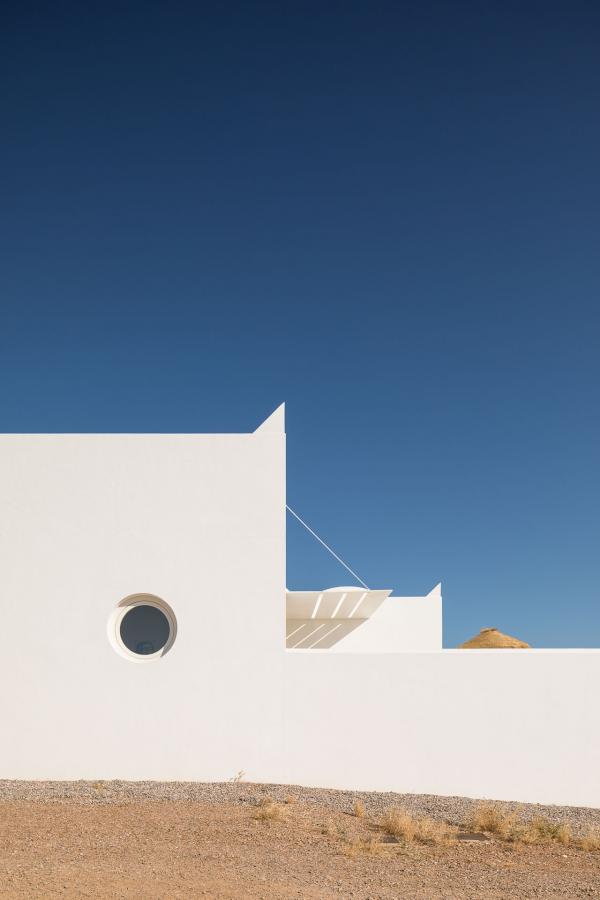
x=172 y=849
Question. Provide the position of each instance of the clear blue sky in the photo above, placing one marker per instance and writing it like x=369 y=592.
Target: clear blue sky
x=385 y=214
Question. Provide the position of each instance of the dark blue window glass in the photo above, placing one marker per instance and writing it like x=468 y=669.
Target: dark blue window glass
x=145 y=629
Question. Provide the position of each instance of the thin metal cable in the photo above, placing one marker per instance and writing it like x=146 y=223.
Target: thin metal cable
x=327 y=547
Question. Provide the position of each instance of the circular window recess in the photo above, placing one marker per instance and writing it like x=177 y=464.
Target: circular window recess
x=142 y=628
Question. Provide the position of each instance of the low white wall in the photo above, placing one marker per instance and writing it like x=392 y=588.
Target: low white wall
x=505 y=724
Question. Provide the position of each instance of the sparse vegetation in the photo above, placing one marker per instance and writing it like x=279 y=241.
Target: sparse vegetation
x=399 y=824
x=276 y=848
x=541 y=831
x=431 y=831
x=493 y=819
x=590 y=840
x=402 y=825
x=335 y=830
x=363 y=845
x=269 y=811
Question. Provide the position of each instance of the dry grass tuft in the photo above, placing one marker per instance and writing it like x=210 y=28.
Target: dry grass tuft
x=541 y=831
x=563 y=834
x=492 y=818
x=358 y=809
x=590 y=840
x=335 y=830
x=363 y=845
x=400 y=824
x=269 y=811
x=430 y=831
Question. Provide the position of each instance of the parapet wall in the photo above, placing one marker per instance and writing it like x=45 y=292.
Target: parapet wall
x=400 y=624
x=502 y=724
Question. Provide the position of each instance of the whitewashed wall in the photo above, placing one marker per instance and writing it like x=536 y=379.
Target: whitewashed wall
x=400 y=624
x=506 y=724
x=86 y=520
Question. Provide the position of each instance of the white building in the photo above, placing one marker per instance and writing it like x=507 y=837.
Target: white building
x=148 y=634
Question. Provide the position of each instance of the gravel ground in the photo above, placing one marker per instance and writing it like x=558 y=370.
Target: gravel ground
x=454 y=810
x=180 y=841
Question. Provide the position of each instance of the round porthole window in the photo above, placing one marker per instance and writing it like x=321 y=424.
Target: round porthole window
x=142 y=627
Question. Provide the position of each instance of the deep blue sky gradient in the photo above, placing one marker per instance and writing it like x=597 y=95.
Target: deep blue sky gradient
x=385 y=214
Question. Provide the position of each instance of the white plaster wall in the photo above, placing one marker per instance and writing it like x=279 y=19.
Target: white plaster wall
x=86 y=520
x=399 y=624
x=506 y=724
